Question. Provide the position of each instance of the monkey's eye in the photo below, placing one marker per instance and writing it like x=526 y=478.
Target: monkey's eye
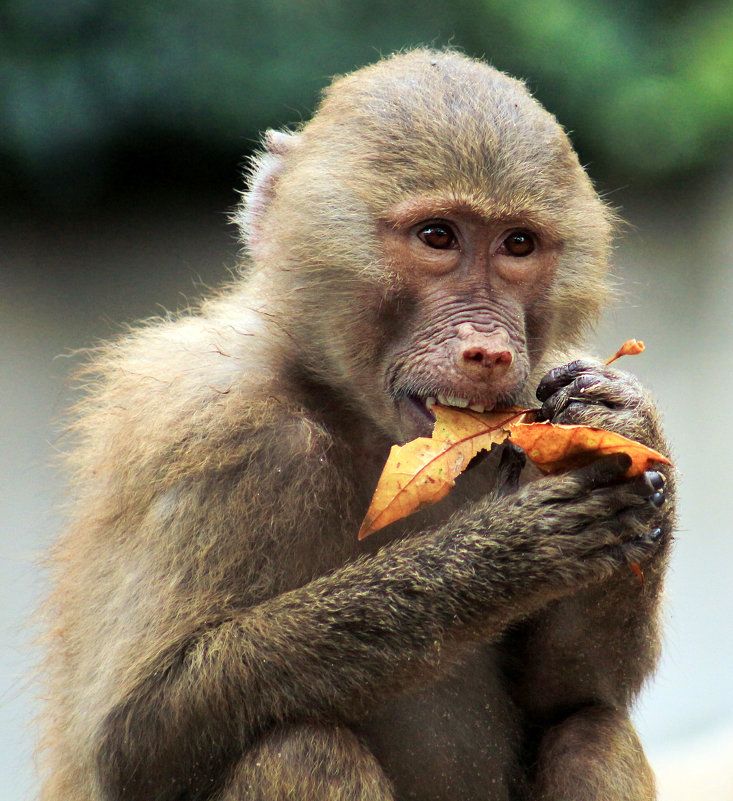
x=519 y=243
x=438 y=236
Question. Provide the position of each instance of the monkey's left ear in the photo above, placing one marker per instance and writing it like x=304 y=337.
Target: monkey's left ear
x=264 y=174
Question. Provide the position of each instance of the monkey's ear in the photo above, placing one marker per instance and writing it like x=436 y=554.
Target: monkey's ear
x=279 y=143
x=264 y=173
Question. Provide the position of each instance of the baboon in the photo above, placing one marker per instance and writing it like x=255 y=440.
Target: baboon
x=216 y=631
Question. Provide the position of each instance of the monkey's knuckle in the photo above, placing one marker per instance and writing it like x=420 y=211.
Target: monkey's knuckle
x=579 y=413
x=638 y=550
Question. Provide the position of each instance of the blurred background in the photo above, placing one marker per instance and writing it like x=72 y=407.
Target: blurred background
x=123 y=132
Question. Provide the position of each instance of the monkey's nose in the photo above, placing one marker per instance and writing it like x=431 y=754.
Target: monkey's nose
x=477 y=360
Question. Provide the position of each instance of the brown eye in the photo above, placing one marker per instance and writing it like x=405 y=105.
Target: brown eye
x=519 y=243
x=438 y=236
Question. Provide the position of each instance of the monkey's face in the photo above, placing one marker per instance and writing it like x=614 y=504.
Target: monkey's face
x=432 y=234
x=474 y=283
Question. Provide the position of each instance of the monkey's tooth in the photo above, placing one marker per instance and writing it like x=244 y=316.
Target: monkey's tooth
x=430 y=402
x=461 y=403
x=477 y=407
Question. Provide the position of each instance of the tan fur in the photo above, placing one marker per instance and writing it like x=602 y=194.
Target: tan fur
x=215 y=630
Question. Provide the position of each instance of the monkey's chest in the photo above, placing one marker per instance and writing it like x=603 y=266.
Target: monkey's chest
x=453 y=740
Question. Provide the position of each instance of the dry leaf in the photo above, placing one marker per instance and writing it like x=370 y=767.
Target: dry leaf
x=423 y=471
x=630 y=348
x=557 y=448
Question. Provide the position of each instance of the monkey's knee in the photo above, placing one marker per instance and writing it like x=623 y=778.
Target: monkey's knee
x=593 y=755
x=308 y=763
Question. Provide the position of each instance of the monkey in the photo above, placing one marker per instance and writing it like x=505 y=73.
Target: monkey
x=216 y=631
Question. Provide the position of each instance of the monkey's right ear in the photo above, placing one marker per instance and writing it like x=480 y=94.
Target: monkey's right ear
x=265 y=170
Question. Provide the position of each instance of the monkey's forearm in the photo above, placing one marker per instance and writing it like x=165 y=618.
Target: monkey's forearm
x=361 y=633
x=366 y=632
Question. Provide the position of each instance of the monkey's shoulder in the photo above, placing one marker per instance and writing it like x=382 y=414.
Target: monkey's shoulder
x=193 y=403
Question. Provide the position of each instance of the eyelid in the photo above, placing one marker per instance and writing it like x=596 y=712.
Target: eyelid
x=436 y=223
x=422 y=224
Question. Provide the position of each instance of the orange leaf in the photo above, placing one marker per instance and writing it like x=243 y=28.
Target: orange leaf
x=423 y=471
x=556 y=448
x=630 y=348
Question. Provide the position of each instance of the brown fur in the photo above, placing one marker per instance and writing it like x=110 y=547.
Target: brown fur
x=215 y=630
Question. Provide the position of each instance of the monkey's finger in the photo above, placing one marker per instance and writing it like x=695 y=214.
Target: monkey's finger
x=636 y=549
x=591 y=389
x=559 y=377
x=511 y=463
x=632 y=507
x=615 y=392
x=607 y=470
x=603 y=472
x=556 y=404
x=650 y=485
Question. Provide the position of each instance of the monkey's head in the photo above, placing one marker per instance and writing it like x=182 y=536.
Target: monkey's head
x=430 y=234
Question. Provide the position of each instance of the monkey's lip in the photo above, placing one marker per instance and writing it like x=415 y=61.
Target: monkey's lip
x=423 y=406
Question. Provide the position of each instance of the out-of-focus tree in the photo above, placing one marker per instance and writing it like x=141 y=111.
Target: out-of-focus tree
x=647 y=85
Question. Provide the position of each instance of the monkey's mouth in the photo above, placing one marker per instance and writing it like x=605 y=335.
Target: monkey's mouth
x=418 y=410
x=425 y=404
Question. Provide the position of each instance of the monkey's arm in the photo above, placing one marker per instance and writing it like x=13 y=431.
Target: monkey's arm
x=619 y=638
x=579 y=682
x=329 y=649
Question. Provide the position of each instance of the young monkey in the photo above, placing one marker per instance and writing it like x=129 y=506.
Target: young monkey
x=217 y=631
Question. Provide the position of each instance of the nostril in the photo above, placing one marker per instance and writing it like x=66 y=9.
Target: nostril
x=504 y=357
x=487 y=358
x=474 y=355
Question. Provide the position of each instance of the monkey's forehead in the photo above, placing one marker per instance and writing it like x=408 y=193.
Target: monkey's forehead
x=427 y=95
x=426 y=115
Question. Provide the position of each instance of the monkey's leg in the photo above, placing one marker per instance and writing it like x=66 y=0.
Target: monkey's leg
x=308 y=763
x=593 y=755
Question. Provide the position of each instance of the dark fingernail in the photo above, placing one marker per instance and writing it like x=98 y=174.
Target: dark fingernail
x=657 y=499
x=655 y=478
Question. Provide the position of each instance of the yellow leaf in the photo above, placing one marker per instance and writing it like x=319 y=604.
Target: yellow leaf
x=423 y=471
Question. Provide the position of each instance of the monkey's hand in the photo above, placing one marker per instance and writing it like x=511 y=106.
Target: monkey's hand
x=587 y=392
x=593 y=512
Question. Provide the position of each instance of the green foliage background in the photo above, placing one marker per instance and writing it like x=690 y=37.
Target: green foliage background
x=644 y=86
